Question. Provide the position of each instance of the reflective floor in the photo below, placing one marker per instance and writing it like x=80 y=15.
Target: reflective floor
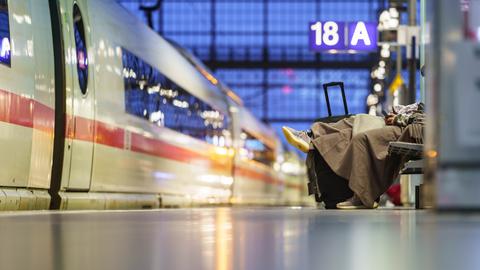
x=239 y=238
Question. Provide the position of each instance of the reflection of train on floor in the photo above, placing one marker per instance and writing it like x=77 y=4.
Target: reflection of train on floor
x=97 y=111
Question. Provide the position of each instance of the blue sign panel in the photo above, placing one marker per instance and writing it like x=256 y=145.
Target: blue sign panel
x=342 y=36
x=5 y=51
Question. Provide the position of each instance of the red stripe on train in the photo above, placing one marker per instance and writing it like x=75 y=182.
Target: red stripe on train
x=98 y=132
x=83 y=129
x=24 y=111
x=154 y=147
x=263 y=177
x=110 y=135
x=258 y=176
x=294 y=186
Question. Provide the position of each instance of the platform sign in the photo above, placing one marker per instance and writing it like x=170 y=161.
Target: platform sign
x=343 y=36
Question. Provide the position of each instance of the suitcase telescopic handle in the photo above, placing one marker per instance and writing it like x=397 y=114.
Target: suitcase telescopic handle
x=327 y=99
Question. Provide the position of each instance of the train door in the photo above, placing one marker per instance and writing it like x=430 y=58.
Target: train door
x=79 y=95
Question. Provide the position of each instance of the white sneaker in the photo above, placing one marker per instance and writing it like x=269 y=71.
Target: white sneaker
x=354 y=203
x=299 y=139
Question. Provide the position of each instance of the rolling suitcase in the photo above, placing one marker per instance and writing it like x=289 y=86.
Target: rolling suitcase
x=327 y=187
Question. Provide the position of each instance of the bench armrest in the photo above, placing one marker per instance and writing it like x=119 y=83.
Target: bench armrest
x=410 y=150
x=413 y=167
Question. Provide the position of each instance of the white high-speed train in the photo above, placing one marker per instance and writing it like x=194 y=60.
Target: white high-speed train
x=99 y=112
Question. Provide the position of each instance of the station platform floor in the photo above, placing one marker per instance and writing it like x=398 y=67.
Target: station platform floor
x=240 y=238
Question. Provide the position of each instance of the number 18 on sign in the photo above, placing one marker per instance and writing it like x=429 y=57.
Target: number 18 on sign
x=330 y=35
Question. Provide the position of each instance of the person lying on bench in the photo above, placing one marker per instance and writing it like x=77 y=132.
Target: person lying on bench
x=360 y=158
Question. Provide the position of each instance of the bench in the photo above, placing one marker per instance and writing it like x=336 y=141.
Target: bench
x=413 y=152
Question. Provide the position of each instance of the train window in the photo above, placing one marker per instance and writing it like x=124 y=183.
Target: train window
x=5 y=53
x=81 y=47
x=151 y=95
x=255 y=149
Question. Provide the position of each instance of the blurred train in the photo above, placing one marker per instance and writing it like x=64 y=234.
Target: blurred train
x=99 y=112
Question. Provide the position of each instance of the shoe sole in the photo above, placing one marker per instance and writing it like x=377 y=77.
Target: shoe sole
x=353 y=207
x=292 y=139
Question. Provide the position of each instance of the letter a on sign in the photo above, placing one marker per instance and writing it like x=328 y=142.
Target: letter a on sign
x=360 y=33
x=362 y=36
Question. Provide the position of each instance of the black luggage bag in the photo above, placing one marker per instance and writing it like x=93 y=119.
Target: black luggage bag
x=327 y=187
